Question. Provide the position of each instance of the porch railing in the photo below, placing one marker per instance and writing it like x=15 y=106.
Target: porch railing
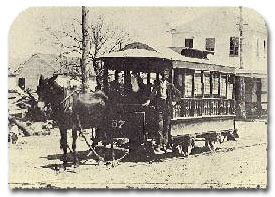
x=195 y=107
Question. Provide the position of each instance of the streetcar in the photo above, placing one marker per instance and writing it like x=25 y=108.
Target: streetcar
x=204 y=113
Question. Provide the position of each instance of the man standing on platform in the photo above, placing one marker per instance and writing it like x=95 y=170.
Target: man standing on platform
x=162 y=98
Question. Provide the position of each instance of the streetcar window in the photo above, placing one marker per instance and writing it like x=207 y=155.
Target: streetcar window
x=188 y=86
x=223 y=86
x=207 y=85
x=198 y=85
x=111 y=75
x=230 y=88
x=120 y=77
x=153 y=77
x=143 y=77
x=135 y=81
x=215 y=84
x=178 y=81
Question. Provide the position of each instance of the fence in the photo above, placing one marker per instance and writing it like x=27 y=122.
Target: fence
x=194 y=107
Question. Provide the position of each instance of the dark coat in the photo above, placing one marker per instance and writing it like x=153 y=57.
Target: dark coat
x=172 y=95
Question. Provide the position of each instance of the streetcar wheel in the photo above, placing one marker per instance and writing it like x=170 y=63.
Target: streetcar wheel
x=177 y=150
x=187 y=149
x=212 y=145
x=221 y=138
x=190 y=147
x=110 y=152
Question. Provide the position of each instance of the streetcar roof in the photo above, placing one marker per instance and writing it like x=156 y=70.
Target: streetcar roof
x=143 y=51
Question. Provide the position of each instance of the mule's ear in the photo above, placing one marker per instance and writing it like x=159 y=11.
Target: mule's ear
x=41 y=79
x=53 y=78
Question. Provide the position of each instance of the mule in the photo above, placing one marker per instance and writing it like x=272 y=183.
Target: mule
x=71 y=110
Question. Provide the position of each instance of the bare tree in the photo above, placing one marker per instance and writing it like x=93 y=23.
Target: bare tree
x=103 y=38
x=85 y=48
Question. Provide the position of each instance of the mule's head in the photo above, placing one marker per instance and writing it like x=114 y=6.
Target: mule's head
x=49 y=92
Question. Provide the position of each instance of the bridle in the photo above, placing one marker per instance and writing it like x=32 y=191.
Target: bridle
x=66 y=98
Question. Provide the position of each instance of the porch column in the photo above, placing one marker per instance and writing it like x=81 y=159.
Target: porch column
x=259 y=97
x=219 y=85
x=226 y=93
x=193 y=94
x=211 y=84
x=234 y=86
x=193 y=84
x=202 y=102
x=219 y=94
x=240 y=97
x=183 y=83
x=176 y=78
x=226 y=85
x=233 y=93
x=211 y=93
x=202 y=83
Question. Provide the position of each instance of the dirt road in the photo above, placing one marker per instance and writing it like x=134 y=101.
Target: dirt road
x=242 y=163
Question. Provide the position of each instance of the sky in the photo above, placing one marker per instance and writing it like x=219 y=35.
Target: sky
x=143 y=24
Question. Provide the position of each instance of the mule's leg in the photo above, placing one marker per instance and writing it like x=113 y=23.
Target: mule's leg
x=63 y=144
x=113 y=153
x=74 y=135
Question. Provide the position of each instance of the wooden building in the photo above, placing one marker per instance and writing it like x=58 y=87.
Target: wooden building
x=239 y=39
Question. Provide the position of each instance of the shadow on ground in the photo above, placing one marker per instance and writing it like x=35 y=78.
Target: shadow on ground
x=85 y=157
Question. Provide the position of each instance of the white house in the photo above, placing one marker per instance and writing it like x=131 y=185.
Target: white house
x=236 y=37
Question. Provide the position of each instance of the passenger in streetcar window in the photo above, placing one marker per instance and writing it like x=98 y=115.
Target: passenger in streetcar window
x=139 y=89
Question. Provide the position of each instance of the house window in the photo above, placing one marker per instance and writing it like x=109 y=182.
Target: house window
x=21 y=83
x=189 y=43
x=210 y=44
x=234 y=46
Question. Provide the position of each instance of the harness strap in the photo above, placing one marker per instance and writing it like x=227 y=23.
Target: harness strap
x=67 y=97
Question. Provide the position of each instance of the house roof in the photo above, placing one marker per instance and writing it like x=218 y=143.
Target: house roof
x=49 y=60
x=228 y=18
x=52 y=62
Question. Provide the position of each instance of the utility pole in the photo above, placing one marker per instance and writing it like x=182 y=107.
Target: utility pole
x=241 y=25
x=85 y=49
x=240 y=80
x=241 y=37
